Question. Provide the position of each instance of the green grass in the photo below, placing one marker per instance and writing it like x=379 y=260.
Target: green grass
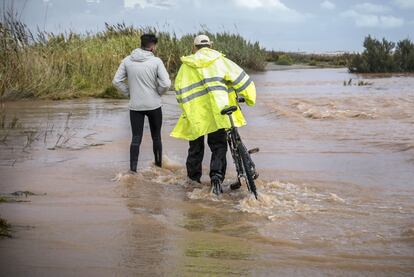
x=71 y=65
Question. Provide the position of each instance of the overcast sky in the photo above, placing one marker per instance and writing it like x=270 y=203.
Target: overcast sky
x=291 y=25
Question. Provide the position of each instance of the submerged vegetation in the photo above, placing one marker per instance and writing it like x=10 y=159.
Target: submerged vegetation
x=4 y=228
x=384 y=56
x=70 y=65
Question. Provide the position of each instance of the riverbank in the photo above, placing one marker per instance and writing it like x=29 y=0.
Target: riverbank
x=277 y=67
x=70 y=65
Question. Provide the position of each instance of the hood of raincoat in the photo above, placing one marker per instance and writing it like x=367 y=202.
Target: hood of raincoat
x=202 y=58
x=140 y=55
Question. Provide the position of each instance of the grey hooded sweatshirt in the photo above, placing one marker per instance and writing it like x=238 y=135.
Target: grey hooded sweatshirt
x=146 y=78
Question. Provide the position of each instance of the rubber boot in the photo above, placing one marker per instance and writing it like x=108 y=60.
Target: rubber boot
x=216 y=184
x=133 y=159
x=158 y=158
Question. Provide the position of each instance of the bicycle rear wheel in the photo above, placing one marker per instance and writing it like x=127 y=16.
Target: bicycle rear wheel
x=249 y=168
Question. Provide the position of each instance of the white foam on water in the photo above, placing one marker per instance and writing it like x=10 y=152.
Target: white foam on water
x=171 y=164
x=275 y=199
x=203 y=193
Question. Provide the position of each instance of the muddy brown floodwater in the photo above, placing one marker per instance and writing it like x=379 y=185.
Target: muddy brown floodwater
x=336 y=187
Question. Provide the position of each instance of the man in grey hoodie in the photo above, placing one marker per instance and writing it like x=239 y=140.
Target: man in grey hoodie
x=144 y=78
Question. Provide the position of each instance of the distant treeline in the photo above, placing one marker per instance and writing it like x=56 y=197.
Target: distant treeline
x=378 y=57
x=320 y=60
x=384 y=56
x=68 y=65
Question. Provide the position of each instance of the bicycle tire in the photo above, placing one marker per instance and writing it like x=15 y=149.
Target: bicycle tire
x=233 y=142
x=248 y=168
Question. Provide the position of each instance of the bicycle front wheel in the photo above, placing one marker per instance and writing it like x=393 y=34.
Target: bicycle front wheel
x=249 y=168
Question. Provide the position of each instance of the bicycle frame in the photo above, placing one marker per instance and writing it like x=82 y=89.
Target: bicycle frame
x=233 y=140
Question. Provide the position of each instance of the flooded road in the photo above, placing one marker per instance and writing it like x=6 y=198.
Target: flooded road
x=336 y=186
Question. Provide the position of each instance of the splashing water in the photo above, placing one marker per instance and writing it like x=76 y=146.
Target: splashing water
x=276 y=199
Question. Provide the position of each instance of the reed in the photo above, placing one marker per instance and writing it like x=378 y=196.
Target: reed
x=71 y=65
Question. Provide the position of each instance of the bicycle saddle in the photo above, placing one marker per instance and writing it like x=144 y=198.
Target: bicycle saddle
x=229 y=110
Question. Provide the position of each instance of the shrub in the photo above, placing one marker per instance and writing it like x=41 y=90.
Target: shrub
x=284 y=60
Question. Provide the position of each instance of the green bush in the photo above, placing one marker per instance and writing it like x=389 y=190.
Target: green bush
x=284 y=60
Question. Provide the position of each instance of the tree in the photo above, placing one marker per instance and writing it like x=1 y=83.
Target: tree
x=404 y=55
x=383 y=56
x=378 y=54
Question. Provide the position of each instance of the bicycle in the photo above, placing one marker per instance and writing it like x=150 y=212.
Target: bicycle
x=245 y=167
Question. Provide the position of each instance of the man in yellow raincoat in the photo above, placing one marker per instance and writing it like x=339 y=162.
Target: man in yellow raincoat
x=206 y=83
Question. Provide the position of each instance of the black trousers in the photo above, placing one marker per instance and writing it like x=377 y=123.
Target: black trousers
x=137 y=126
x=218 y=145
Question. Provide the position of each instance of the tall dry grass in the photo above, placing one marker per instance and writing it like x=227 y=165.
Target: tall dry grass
x=70 y=65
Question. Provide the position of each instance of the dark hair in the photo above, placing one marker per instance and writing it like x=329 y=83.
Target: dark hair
x=202 y=46
x=147 y=40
